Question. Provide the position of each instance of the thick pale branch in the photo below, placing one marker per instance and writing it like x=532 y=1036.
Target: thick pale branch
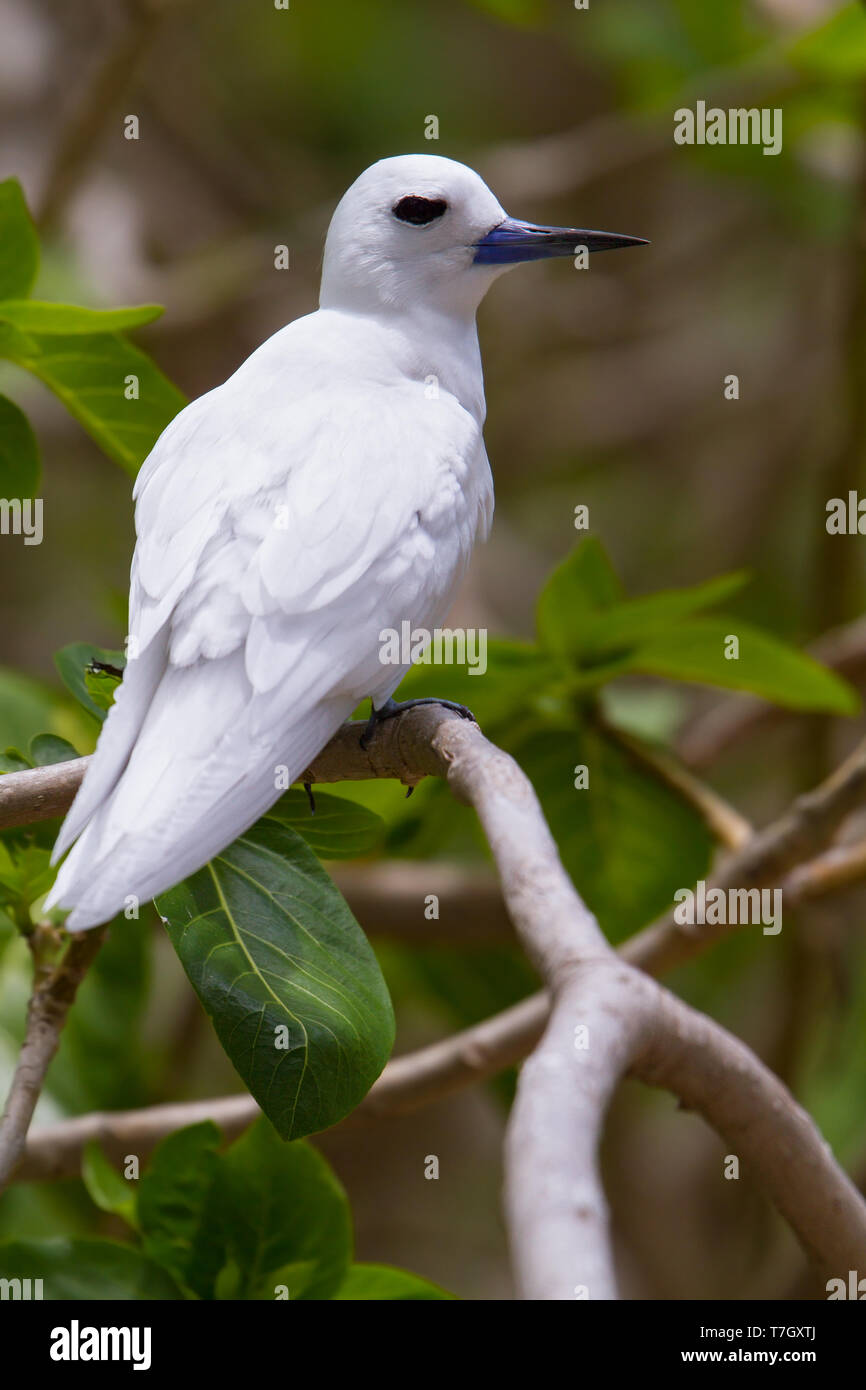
x=556 y=1205
x=776 y=1141
x=458 y=1061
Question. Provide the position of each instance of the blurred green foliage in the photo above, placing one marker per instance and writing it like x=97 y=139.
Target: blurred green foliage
x=751 y=255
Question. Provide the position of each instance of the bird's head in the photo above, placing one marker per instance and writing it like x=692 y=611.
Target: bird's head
x=420 y=228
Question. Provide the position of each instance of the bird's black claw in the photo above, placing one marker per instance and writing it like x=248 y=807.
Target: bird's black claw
x=97 y=668
x=394 y=707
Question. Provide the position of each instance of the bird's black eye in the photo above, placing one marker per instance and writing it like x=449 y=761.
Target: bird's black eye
x=417 y=210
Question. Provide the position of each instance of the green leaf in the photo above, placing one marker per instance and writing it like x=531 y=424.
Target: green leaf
x=173 y=1200
x=383 y=1281
x=628 y=840
x=19 y=244
x=13 y=761
x=583 y=585
x=582 y=612
x=281 y=1217
x=25 y=872
x=101 y=1064
x=524 y=13
x=19 y=453
x=695 y=651
x=92 y=375
x=38 y=317
x=72 y=663
x=101 y=686
x=86 y=1269
x=106 y=1187
x=516 y=672
x=46 y=749
x=836 y=48
x=630 y=622
x=340 y=829
x=833 y=1076
x=286 y=975
x=29 y=707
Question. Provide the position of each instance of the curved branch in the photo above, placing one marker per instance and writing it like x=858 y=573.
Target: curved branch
x=407 y=1083
x=559 y=1222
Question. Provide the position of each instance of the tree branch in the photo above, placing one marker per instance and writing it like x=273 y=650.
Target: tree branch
x=768 y=858
x=407 y=1083
x=54 y=990
x=556 y=1211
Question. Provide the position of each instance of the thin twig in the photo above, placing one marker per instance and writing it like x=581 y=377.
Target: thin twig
x=53 y=993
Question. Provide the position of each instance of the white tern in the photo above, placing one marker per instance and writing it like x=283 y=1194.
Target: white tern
x=333 y=487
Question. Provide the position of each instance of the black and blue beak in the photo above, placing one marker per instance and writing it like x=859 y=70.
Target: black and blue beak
x=512 y=241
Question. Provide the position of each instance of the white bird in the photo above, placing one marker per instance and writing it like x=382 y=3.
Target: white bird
x=333 y=487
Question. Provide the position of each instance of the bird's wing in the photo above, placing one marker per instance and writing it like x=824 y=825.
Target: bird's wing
x=274 y=544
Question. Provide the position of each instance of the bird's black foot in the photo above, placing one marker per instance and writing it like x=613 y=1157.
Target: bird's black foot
x=308 y=788
x=103 y=667
x=392 y=707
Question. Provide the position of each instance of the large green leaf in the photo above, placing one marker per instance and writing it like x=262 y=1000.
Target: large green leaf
x=19 y=453
x=583 y=613
x=37 y=316
x=173 y=1207
x=287 y=976
x=365 y=1282
x=19 y=244
x=695 y=651
x=628 y=840
x=339 y=829
x=633 y=620
x=86 y=1269
x=91 y=374
x=255 y=1222
x=280 y=1217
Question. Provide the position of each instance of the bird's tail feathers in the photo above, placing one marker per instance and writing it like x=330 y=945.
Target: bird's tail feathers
x=188 y=816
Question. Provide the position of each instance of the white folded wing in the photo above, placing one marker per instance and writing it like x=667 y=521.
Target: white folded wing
x=283 y=521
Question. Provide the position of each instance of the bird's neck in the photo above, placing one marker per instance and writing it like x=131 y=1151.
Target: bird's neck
x=438 y=349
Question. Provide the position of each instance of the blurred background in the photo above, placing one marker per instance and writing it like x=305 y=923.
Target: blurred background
x=604 y=389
